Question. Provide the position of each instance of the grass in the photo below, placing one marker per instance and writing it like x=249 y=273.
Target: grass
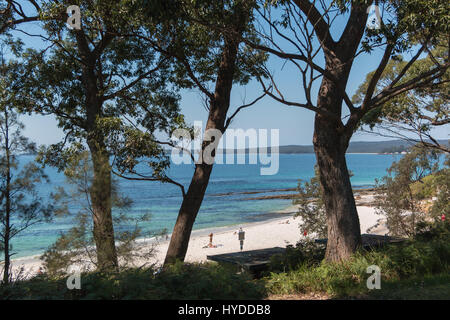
x=190 y=281
x=429 y=287
x=404 y=267
x=415 y=269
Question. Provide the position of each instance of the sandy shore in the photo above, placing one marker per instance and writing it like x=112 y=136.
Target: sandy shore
x=278 y=232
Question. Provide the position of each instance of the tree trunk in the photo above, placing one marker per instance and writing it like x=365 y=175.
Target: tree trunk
x=344 y=234
x=331 y=139
x=100 y=194
x=330 y=145
x=100 y=191
x=192 y=201
x=7 y=235
x=188 y=213
x=7 y=264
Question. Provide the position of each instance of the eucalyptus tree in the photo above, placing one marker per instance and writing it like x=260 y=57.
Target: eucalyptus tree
x=219 y=28
x=322 y=40
x=204 y=38
x=103 y=89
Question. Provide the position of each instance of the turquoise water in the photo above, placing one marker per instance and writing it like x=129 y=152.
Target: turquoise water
x=162 y=201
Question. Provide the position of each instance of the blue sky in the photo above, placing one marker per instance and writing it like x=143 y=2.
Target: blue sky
x=295 y=124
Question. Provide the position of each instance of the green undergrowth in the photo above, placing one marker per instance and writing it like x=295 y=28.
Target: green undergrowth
x=425 y=258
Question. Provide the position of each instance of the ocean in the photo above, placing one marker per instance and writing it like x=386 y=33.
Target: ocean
x=225 y=201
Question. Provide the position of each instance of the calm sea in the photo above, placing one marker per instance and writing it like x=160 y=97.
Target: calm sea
x=224 y=203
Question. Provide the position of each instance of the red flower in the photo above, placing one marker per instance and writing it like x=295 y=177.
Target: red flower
x=305 y=233
x=443 y=217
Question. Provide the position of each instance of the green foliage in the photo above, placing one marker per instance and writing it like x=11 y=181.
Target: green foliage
x=193 y=281
x=424 y=107
x=110 y=93
x=425 y=188
x=407 y=22
x=21 y=205
x=305 y=252
x=121 y=100
x=311 y=208
x=415 y=111
x=421 y=18
x=406 y=266
x=206 y=282
x=76 y=247
x=199 y=35
x=400 y=202
x=442 y=186
x=410 y=260
x=438 y=230
x=428 y=287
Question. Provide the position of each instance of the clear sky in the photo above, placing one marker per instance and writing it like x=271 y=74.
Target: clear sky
x=295 y=124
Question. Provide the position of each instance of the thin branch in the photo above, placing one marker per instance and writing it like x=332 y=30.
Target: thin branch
x=377 y=75
x=227 y=123
x=321 y=28
x=143 y=178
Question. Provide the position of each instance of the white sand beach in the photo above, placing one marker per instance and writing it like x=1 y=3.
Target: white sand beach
x=272 y=233
x=278 y=232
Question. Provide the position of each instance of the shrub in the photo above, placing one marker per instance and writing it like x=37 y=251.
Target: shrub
x=311 y=208
x=414 y=258
x=305 y=252
x=190 y=281
x=409 y=180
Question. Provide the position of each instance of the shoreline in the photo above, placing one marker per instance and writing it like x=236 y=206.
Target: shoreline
x=203 y=232
x=273 y=232
x=31 y=264
x=260 y=217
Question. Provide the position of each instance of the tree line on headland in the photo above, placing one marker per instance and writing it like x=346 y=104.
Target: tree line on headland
x=390 y=146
